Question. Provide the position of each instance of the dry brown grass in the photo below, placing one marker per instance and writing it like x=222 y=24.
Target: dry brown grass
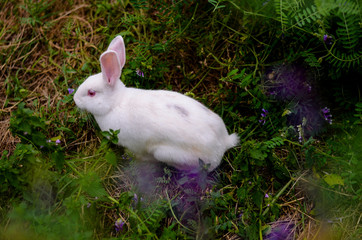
x=32 y=57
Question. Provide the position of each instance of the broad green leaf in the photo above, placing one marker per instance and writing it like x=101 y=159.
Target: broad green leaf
x=333 y=179
x=111 y=158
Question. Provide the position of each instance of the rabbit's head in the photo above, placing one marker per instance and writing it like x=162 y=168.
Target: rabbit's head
x=99 y=92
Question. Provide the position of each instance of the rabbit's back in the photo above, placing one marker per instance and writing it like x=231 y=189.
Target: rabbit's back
x=150 y=120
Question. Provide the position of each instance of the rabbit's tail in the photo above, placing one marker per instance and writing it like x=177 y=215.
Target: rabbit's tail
x=232 y=140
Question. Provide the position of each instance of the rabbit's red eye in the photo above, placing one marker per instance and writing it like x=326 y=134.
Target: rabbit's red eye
x=91 y=93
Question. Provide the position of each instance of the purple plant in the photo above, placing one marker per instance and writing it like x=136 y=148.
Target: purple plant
x=140 y=73
x=136 y=200
x=293 y=85
x=327 y=115
x=327 y=39
x=119 y=225
x=185 y=188
x=70 y=90
x=263 y=116
x=282 y=231
x=288 y=82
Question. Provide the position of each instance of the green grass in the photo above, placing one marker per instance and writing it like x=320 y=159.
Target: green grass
x=60 y=178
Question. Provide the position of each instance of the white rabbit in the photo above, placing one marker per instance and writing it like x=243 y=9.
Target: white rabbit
x=156 y=125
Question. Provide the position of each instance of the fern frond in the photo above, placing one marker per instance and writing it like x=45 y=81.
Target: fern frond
x=311 y=59
x=343 y=60
x=307 y=16
x=349 y=31
x=347 y=7
x=274 y=142
x=280 y=8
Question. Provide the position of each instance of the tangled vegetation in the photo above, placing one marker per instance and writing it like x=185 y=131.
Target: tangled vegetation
x=285 y=75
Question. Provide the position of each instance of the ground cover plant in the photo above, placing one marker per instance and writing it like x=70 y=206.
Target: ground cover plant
x=284 y=75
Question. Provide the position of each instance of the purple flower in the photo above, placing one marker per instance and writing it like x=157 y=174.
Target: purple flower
x=140 y=73
x=88 y=205
x=327 y=39
x=262 y=121
x=326 y=114
x=266 y=195
x=263 y=116
x=282 y=231
x=119 y=225
x=264 y=113
x=26 y=133
x=57 y=142
x=70 y=90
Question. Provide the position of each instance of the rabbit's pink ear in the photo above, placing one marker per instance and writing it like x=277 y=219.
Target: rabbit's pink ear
x=117 y=45
x=111 y=68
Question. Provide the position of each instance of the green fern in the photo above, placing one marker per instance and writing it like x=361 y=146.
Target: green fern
x=347 y=7
x=342 y=59
x=339 y=20
x=281 y=9
x=274 y=142
x=310 y=59
x=307 y=16
x=349 y=31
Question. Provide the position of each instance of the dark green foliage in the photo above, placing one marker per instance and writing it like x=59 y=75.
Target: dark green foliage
x=335 y=23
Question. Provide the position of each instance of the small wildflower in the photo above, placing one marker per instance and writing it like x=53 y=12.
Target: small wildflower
x=57 y=142
x=70 y=90
x=249 y=182
x=266 y=195
x=88 y=205
x=26 y=133
x=263 y=116
x=135 y=199
x=265 y=112
x=49 y=141
x=268 y=205
x=140 y=73
x=119 y=225
x=327 y=39
x=326 y=114
x=300 y=133
x=41 y=146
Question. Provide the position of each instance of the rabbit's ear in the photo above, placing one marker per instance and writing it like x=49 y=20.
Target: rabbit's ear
x=117 y=45
x=111 y=67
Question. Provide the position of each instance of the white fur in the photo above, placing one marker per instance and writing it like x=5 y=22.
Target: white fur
x=154 y=124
